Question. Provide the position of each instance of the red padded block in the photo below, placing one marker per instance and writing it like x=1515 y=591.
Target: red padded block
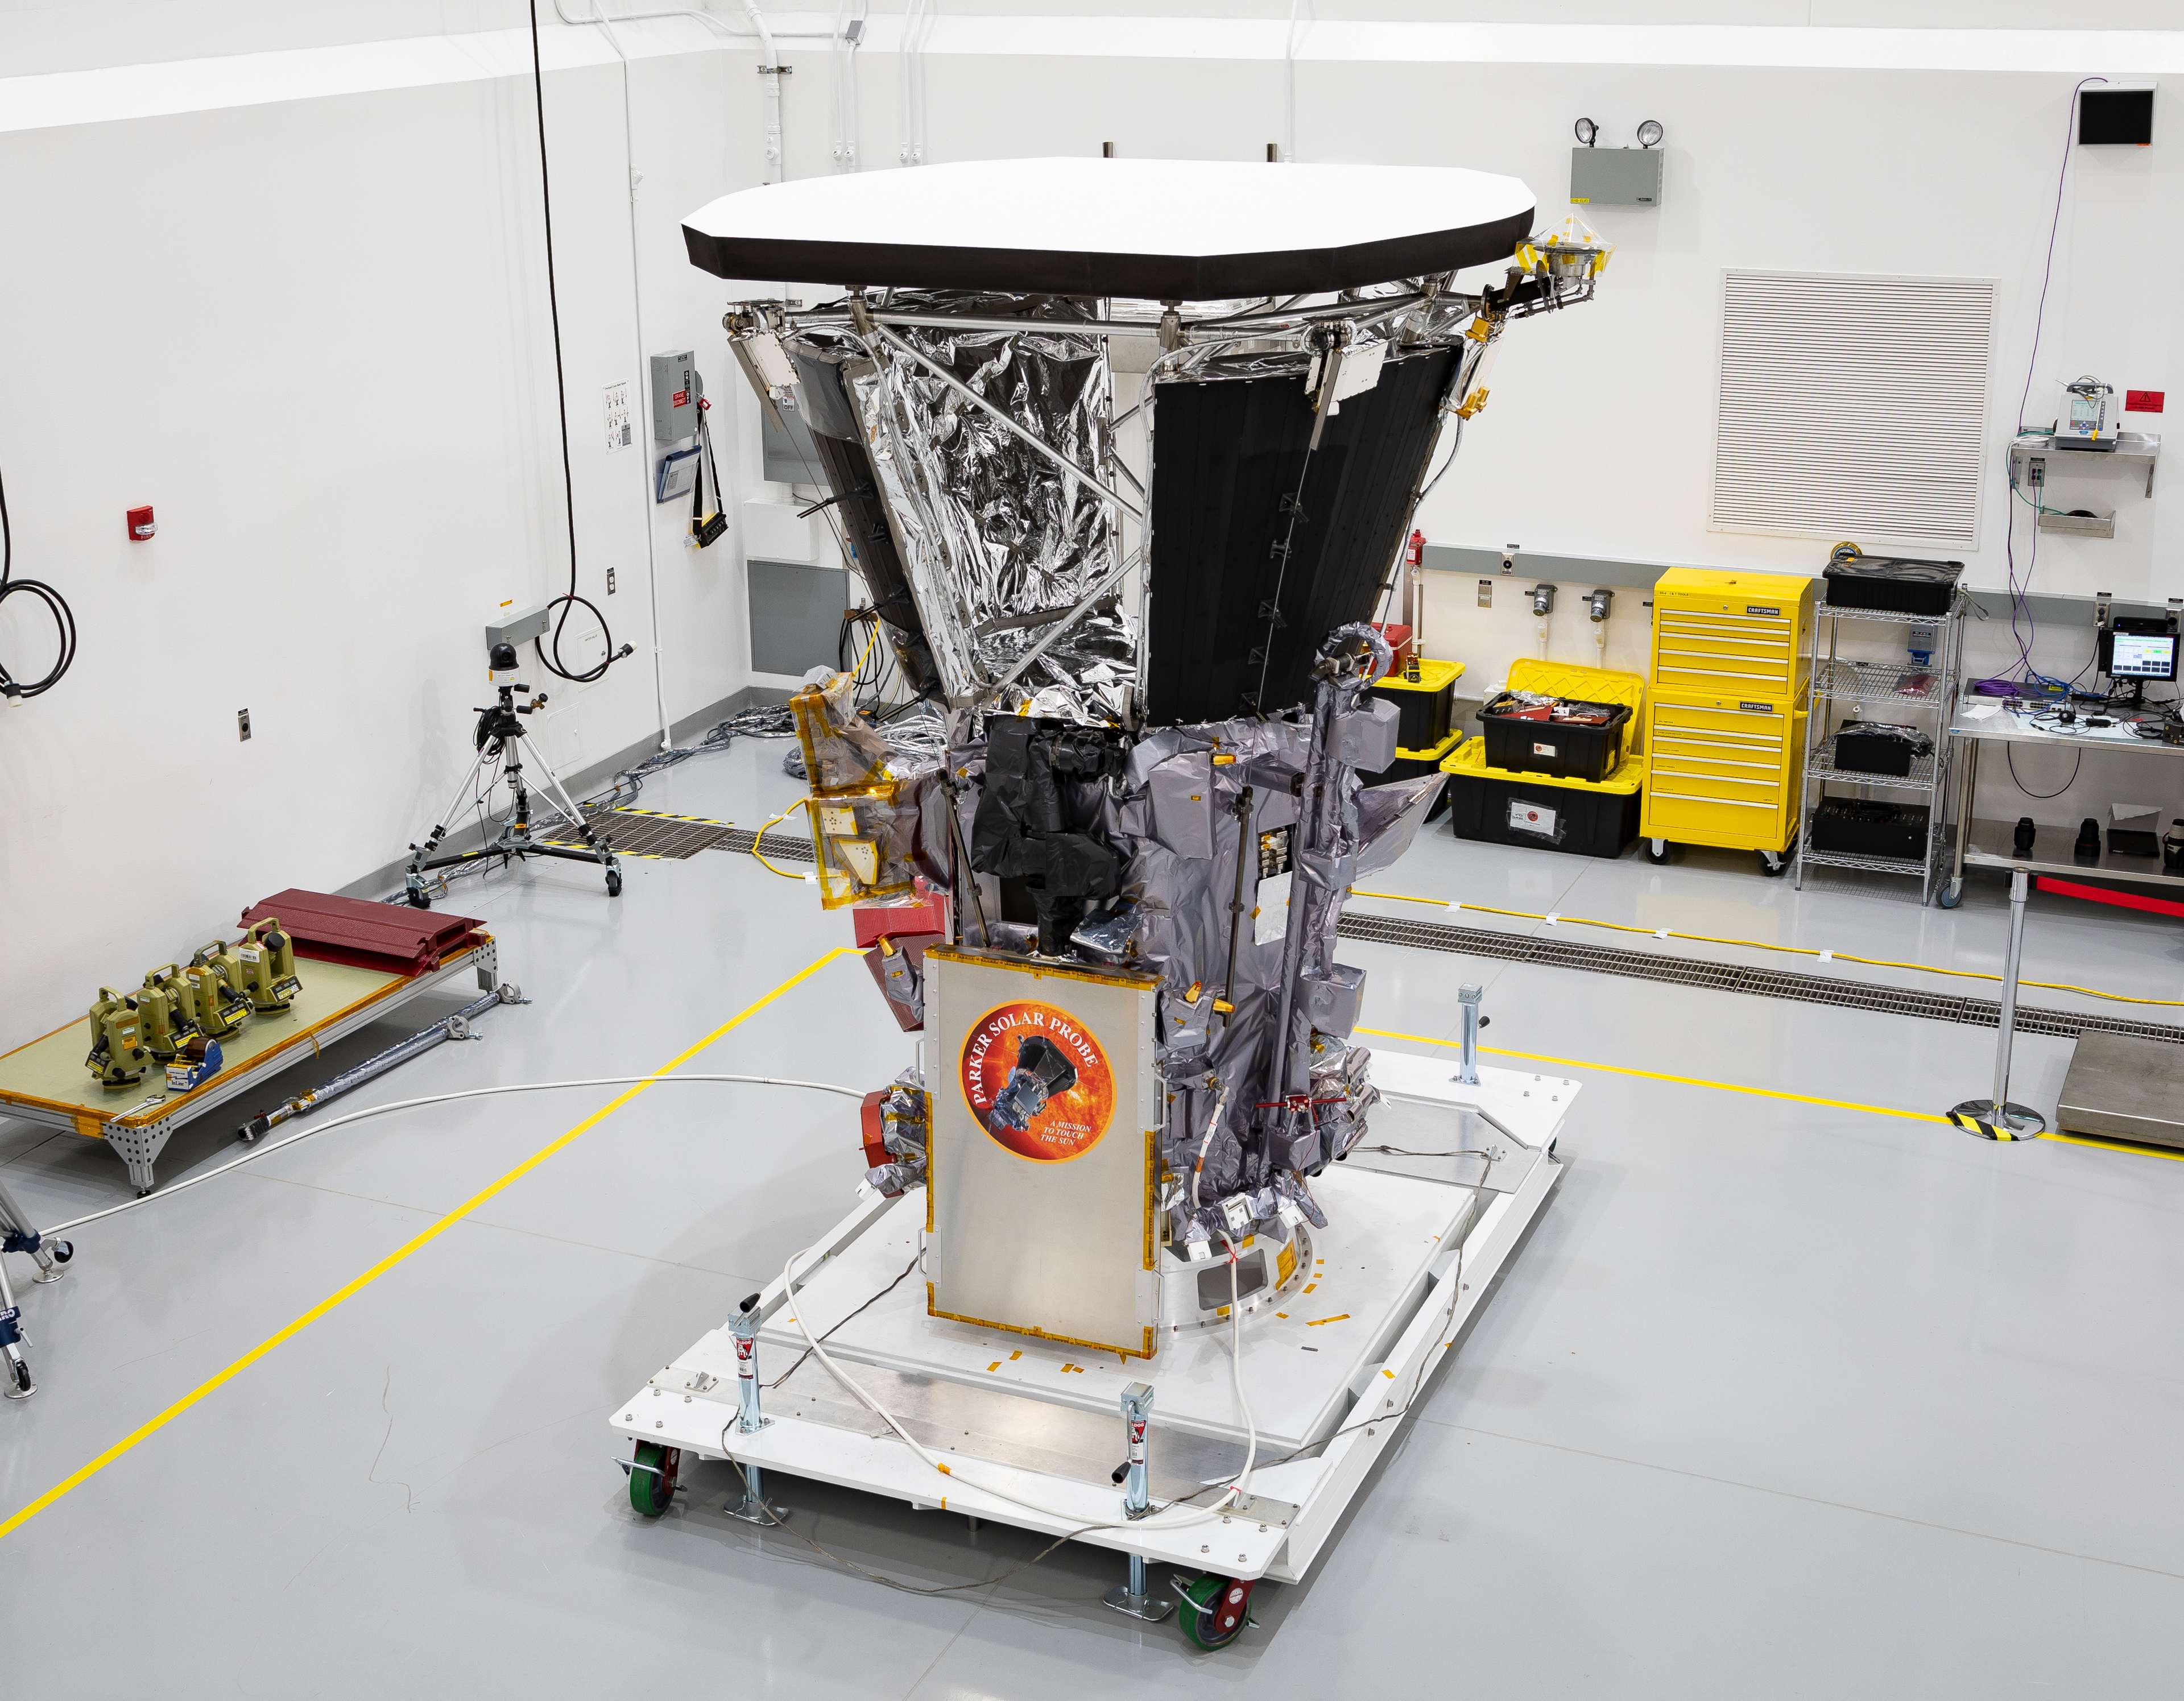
x=395 y=937
x=893 y=917
x=868 y=1117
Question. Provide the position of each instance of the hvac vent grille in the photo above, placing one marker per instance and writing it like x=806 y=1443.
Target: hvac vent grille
x=1852 y=407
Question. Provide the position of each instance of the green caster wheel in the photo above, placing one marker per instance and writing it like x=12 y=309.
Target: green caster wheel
x=651 y=1490
x=1214 y=1611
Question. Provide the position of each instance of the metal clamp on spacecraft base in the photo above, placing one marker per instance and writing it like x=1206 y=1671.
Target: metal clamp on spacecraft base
x=1183 y=1251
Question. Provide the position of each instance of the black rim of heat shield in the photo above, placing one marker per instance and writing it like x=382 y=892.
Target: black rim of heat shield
x=1153 y=277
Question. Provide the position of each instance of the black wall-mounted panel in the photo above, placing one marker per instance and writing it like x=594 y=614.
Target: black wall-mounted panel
x=2115 y=118
x=1225 y=455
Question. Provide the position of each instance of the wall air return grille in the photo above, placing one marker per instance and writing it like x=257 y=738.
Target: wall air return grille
x=1852 y=407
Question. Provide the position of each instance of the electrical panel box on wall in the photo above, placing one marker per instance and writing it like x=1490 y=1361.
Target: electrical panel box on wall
x=1616 y=177
x=676 y=389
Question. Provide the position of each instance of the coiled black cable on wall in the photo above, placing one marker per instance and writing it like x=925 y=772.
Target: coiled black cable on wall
x=549 y=647
x=12 y=688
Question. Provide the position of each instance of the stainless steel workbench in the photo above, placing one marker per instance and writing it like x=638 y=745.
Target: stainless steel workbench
x=1987 y=843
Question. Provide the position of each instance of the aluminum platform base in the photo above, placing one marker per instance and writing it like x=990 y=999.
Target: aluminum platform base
x=1332 y=1374
x=2122 y=1088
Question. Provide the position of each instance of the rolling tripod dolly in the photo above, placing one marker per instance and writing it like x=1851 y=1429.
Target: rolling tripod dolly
x=17 y=1235
x=501 y=738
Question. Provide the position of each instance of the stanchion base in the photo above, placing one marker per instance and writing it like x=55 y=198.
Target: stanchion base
x=1152 y=1609
x=752 y=1510
x=2014 y=1121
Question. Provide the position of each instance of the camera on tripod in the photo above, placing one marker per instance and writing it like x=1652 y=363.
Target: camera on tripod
x=499 y=739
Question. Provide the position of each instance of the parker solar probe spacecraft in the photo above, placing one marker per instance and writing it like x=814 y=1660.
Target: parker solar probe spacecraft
x=1141 y=1113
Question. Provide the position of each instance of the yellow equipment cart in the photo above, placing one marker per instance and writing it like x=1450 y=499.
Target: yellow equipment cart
x=1725 y=717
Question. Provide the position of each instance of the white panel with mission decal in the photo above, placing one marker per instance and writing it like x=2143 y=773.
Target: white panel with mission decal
x=1043 y=1092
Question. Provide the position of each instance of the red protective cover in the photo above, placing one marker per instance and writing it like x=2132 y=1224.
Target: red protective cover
x=868 y=1117
x=912 y=945
x=893 y=918
x=394 y=937
x=2106 y=895
x=1399 y=640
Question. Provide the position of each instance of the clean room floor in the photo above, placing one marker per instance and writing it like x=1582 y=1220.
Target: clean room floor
x=1780 y=1399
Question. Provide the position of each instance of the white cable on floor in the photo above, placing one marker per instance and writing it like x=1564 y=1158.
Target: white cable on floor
x=1235 y=1492
x=434 y=1099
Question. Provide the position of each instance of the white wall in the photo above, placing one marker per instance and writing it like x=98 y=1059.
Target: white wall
x=294 y=297
x=313 y=334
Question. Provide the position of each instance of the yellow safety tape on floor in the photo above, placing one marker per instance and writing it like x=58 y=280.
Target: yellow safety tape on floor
x=1761 y=1092
x=417 y=1243
x=1678 y=1080
x=1761 y=945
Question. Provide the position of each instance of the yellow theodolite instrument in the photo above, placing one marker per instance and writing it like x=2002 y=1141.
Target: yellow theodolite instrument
x=217 y=979
x=164 y=1004
x=268 y=958
x=117 y=1057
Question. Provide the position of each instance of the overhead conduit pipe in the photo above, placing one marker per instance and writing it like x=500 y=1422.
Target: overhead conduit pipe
x=769 y=64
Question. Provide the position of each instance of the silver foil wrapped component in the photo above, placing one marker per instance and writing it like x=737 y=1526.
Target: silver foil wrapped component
x=1000 y=542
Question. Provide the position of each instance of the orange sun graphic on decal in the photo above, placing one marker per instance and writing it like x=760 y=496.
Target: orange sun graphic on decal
x=1038 y=1081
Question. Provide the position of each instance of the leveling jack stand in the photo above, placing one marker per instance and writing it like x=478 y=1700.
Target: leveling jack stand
x=17 y=1235
x=1137 y=1597
x=1995 y=1118
x=501 y=738
x=752 y=1508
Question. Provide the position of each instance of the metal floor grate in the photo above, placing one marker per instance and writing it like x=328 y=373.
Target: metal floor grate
x=1722 y=977
x=641 y=833
x=780 y=846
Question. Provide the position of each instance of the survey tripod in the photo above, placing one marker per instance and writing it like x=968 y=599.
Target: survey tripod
x=17 y=1235
x=500 y=739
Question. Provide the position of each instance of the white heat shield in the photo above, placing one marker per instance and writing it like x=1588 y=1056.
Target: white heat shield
x=1044 y=1152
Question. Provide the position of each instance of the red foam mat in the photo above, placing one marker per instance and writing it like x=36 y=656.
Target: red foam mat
x=395 y=937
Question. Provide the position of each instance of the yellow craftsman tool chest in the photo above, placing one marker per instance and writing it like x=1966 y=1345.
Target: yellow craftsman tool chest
x=1725 y=716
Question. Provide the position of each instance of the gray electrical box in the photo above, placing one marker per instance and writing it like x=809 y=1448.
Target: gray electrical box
x=518 y=629
x=1616 y=177
x=675 y=390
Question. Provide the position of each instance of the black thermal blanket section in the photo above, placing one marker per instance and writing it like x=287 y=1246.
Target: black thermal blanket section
x=839 y=440
x=1232 y=628
x=1039 y=812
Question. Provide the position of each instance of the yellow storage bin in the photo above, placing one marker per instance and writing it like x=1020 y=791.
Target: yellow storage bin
x=1426 y=704
x=1723 y=771
x=1720 y=630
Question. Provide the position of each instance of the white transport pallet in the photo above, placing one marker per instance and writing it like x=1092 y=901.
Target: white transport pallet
x=1413 y=1248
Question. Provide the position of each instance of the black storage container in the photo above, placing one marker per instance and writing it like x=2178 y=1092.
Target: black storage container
x=1857 y=828
x=1577 y=821
x=1555 y=747
x=1425 y=708
x=1879 y=747
x=1895 y=582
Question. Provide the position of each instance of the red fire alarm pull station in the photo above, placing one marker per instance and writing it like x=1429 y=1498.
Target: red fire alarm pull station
x=140 y=524
x=2142 y=401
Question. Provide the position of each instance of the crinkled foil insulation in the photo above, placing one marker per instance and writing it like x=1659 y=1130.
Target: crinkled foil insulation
x=999 y=542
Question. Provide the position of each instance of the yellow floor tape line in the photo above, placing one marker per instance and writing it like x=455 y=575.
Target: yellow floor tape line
x=1678 y=1080
x=1560 y=920
x=1767 y=1093
x=417 y=1243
